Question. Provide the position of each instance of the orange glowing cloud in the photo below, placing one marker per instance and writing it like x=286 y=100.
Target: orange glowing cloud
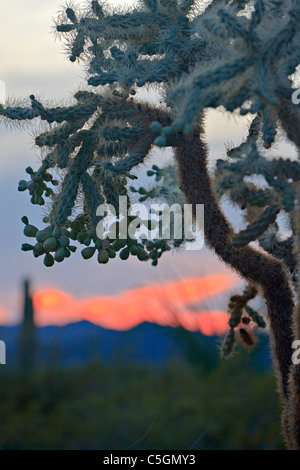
x=3 y=316
x=165 y=304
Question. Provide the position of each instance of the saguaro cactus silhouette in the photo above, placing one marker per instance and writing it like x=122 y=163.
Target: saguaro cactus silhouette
x=27 y=343
x=194 y=55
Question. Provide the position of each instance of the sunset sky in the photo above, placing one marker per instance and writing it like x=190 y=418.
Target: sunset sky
x=173 y=303
x=33 y=62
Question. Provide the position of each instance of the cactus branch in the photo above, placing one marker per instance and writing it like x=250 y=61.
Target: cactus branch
x=262 y=270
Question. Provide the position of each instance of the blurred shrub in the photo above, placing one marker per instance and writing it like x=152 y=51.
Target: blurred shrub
x=113 y=407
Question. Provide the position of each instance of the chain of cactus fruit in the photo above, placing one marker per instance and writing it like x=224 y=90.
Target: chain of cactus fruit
x=55 y=242
x=241 y=317
x=237 y=54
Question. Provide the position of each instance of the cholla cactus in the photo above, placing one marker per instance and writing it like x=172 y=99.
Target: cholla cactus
x=258 y=50
x=235 y=177
x=237 y=54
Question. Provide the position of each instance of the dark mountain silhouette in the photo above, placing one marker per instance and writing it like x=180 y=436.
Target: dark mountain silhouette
x=147 y=343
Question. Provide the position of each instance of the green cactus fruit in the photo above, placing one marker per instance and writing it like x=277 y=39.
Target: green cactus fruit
x=98 y=244
x=22 y=185
x=38 y=249
x=50 y=244
x=91 y=233
x=64 y=232
x=132 y=242
x=103 y=257
x=73 y=234
x=81 y=237
x=111 y=253
x=156 y=127
x=29 y=170
x=168 y=130
x=229 y=342
x=30 y=231
x=124 y=254
x=118 y=244
x=142 y=254
x=161 y=141
x=49 y=192
x=48 y=177
x=246 y=337
x=60 y=254
x=105 y=243
x=64 y=241
x=27 y=247
x=25 y=220
x=67 y=252
x=134 y=249
x=87 y=253
x=42 y=236
x=56 y=232
x=72 y=248
x=256 y=317
x=38 y=191
x=48 y=260
x=75 y=225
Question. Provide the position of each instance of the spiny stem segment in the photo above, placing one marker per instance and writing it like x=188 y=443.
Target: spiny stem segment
x=262 y=270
